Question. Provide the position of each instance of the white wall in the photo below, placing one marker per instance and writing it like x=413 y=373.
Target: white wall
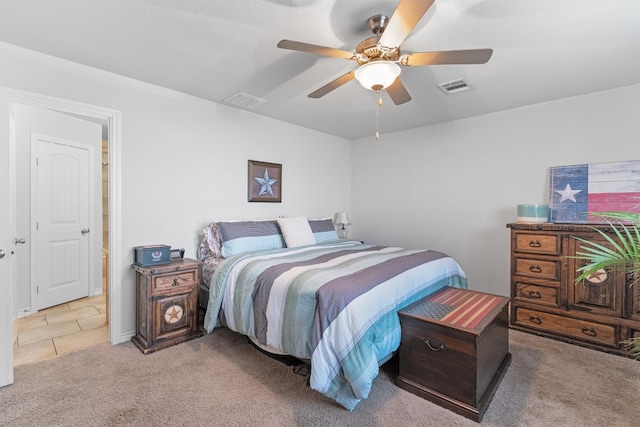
x=454 y=186
x=184 y=159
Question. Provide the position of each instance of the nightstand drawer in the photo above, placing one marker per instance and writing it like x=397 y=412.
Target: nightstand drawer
x=538 y=268
x=548 y=244
x=175 y=281
x=570 y=327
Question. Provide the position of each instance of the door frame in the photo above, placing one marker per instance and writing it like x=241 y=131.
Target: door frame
x=35 y=138
x=113 y=119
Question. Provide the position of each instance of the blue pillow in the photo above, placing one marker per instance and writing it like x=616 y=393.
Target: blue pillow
x=323 y=230
x=247 y=236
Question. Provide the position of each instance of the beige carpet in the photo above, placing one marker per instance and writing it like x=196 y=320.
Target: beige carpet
x=220 y=380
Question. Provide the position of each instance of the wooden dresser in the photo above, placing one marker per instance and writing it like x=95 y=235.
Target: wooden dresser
x=598 y=312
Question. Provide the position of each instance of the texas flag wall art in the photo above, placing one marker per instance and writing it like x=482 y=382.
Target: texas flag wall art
x=577 y=193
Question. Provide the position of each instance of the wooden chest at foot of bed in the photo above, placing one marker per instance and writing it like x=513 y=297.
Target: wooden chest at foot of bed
x=455 y=349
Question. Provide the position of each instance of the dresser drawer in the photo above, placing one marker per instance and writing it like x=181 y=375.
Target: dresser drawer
x=178 y=282
x=538 y=268
x=580 y=329
x=538 y=294
x=548 y=244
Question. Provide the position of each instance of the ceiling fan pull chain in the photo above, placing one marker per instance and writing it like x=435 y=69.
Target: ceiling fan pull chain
x=378 y=114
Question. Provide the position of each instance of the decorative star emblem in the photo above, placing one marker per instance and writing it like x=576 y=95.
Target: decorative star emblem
x=265 y=183
x=597 y=277
x=567 y=193
x=173 y=314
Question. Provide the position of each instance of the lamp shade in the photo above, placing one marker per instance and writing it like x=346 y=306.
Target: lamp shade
x=341 y=218
x=377 y=75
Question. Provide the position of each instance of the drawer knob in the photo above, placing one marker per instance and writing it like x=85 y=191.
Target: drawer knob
x=175 y=282
x=535 y=294
x=535 y=243
x=436 y=348
x=589 y=331
x=535 y=269
x=535 y=319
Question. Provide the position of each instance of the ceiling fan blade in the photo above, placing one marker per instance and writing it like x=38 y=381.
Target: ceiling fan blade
x=345 y=78
x=403 y=20
x=318 y=50
x=472 y=56
x=398 y=93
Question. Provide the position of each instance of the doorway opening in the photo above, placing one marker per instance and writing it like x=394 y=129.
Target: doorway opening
x=72 y=313
x=106 y=303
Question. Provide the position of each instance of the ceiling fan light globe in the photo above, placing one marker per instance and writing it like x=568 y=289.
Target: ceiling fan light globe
x=377 y=74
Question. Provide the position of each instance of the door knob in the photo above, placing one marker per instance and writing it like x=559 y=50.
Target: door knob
x=84 y=230
x=1 y=253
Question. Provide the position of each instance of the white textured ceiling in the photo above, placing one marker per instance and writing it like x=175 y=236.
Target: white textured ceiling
x=543 y=50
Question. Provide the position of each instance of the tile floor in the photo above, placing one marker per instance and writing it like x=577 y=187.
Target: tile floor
x=61 y=329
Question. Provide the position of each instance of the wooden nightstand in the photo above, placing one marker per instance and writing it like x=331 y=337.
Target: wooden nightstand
x=455 y=349
x=167 y=304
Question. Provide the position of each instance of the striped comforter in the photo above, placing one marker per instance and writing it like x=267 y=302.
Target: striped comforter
x=335 y=304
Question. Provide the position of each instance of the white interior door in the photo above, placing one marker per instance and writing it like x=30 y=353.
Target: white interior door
x=62 y=220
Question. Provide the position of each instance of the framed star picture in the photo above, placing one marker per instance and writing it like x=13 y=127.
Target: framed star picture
x=265 y=182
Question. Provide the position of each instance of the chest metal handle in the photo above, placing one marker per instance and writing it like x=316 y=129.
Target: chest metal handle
x=175 y=282
x=535 y=243
x=437 y=348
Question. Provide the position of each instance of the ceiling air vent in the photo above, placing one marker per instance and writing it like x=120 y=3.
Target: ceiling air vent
x=454 y=86
x=244 y=100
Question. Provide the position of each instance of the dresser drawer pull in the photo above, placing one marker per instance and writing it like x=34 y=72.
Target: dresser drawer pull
x=440 y=347
x=535 y=294
x=535 y=243
x=175 y=282
x=535 y=319
x=535 y=269
x=589 y=331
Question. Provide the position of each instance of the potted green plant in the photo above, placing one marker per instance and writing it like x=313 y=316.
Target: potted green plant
x=622 y=255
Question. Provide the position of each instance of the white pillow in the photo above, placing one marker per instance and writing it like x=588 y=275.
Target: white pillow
x=296 y=231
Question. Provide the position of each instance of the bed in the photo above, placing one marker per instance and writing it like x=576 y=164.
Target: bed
x=293 y=287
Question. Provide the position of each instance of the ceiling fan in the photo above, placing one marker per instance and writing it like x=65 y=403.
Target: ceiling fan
x=379 y=57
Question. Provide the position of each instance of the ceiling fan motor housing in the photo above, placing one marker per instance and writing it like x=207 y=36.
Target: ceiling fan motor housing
x=369 y=48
